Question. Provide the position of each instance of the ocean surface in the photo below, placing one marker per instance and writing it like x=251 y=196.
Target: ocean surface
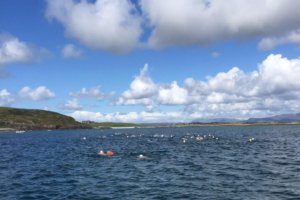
x=179 y=163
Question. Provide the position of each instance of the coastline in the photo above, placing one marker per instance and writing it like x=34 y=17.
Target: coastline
x=6 y=129
x=241 y=124
x=178 y=125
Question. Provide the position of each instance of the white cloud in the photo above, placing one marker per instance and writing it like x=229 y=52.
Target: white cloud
x=142 y=88
x=134 y=117
x=269 y=43
x=6 y=98
x=71 y=105
x=99 y=117
x=37 y=94
x=143 y=101
x=278 y=75
x=93 y=92
x=273 y=88
x=71 y=51
x=12 y=50
x=172 y=94
x=45 y=108
x=111 y=25
x=190 y=22
x=118 y=26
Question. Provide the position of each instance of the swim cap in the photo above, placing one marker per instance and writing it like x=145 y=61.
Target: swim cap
x=110 y=153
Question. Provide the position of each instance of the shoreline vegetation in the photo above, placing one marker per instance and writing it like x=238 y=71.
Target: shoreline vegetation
x=111 y=125
x=15 y=119
x=32 y=119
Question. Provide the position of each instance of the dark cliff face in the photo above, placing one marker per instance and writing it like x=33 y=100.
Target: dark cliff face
x=29 y=119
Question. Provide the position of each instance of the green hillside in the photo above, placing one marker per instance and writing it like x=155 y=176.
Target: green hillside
x=29 y=119
x=109 y=124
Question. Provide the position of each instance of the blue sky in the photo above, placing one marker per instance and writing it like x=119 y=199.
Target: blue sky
x=48 y=52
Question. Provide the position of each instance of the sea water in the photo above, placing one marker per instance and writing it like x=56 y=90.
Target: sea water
x=181 y=163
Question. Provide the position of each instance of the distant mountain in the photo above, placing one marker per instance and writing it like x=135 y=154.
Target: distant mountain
x=216 y=120
x=285 y=118
x=29 y=119
x=277 y=118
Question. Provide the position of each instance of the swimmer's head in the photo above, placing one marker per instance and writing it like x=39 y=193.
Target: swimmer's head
x=142 y=157
x=110 y=153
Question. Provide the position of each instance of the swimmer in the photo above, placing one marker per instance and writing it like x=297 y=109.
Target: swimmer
x=199 y=138
x=110 y=153
x=101 y=153
x=84 y=138
x=251 y=139
x=142 y=157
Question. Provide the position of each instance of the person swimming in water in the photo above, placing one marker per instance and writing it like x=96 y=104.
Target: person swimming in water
x=101 y=153
x=142 y=157
x=108 y=153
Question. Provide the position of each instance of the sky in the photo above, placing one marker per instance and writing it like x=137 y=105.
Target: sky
x=151 y=60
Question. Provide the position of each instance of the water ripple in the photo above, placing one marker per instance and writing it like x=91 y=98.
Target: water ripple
x=182 y=163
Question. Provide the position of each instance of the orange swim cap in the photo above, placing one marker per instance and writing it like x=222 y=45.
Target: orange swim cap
x=110 y=153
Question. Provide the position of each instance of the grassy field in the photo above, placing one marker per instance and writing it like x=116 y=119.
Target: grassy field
x=109 y=124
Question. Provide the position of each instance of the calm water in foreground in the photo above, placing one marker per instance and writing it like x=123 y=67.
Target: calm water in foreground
x=63 y=165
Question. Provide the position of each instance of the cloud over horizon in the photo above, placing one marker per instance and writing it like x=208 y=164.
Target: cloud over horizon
x=273 y=88
x=6 y=98
x=133 y=117
x=93 y=92
x=71 y=105
x=38 y=94
x=141 y=89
